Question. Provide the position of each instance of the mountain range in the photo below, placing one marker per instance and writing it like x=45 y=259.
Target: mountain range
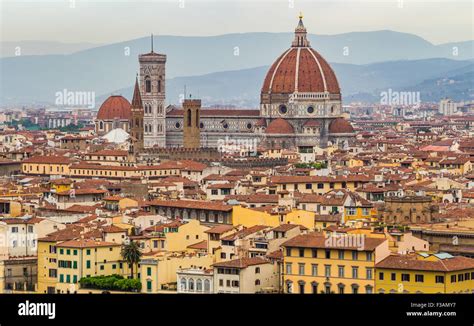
x=229 y=69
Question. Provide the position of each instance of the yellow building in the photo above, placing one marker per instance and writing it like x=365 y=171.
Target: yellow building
x=61 y=265
x=61 y=185
x=315 y=263
x=425 y=273
x=249 y=217
x=158 y=269
x=46 y=165
x=317 y=184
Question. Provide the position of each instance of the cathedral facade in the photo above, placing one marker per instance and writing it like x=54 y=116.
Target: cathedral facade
x=300 y=106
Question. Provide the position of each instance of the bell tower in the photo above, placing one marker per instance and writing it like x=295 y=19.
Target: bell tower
x=152 y=85
x=136 y=122
x=191 y=128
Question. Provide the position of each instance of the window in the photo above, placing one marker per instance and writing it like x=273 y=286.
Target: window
x=283 y=109
x=369 y=256
x=314 y=269
x=207 y=286
x=301 y=252
x=381 y=276
x=148 y=271
x=191 y=285
x=340 y=271
x=301 y=269
x=355 y=255
x=341 y=288
x=419 y=278
x=15 y=229
x=288 y=268
x=351 y=211
x=288 y=252
x=369 y=273
x=149 y=285
x=439 y=279
x=355 y=272
x=405 y=277
x=328 y=254
x=301 y=287
x=53 y=273
x=199 y=285
x=453 y=278
x=147 y=84
x=257 y=282
x=341 y=254
x=320 y=185
x=309 y=186
x=88 y=264
x=314 y=253
x=393 y=277
x=327 y=270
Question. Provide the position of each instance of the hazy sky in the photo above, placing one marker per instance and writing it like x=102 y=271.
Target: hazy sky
x=108 y=21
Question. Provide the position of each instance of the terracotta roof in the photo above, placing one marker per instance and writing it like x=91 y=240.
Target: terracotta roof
x=115 y=107
x=340 y=126
x=287 y=227
x=242 y=262
x=220 y=229
x=300 y=70
x=279 y=126
x=47 y=160
x=245 y=232
x=87 y=243
x=414 y=262
x=317 y=240
x=192 y=204
x=200 y=245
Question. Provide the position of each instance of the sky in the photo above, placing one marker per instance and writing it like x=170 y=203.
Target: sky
x=107 y=21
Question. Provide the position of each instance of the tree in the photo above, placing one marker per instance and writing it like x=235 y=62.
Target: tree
x=131 y=254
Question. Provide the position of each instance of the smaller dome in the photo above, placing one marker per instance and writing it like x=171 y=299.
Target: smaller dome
x=115 y=107
x=340 y=126
x=280 y=126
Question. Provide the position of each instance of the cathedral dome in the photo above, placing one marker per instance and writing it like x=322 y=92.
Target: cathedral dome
x=115 y=107
x=279 y=126
x=340 y=126
x=300 y=69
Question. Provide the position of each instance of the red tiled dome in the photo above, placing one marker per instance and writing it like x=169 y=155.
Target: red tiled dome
x=314 y=74
x=115 y=107
x=300 y=69
x=340 y=126
x=279 y=126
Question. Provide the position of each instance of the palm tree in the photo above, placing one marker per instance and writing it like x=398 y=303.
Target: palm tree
x=131 y=254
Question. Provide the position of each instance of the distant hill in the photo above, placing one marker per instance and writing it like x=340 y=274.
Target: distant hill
x=10 y=49
x=103 y=69
x=358 y=82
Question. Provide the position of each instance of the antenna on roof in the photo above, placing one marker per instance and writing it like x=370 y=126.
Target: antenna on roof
x=151 y=42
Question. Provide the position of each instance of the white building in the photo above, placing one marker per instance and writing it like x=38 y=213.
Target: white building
x=195 y=280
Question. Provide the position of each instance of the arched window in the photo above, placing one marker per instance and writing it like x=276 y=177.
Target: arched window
x=257 y=282
x=257 y=270
x=207 y=286
x=199 y=285
x=197 y=118
x=101 y=125
x=189 y=118
x=191 y=284
x=147 y=84
x=183 y=284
